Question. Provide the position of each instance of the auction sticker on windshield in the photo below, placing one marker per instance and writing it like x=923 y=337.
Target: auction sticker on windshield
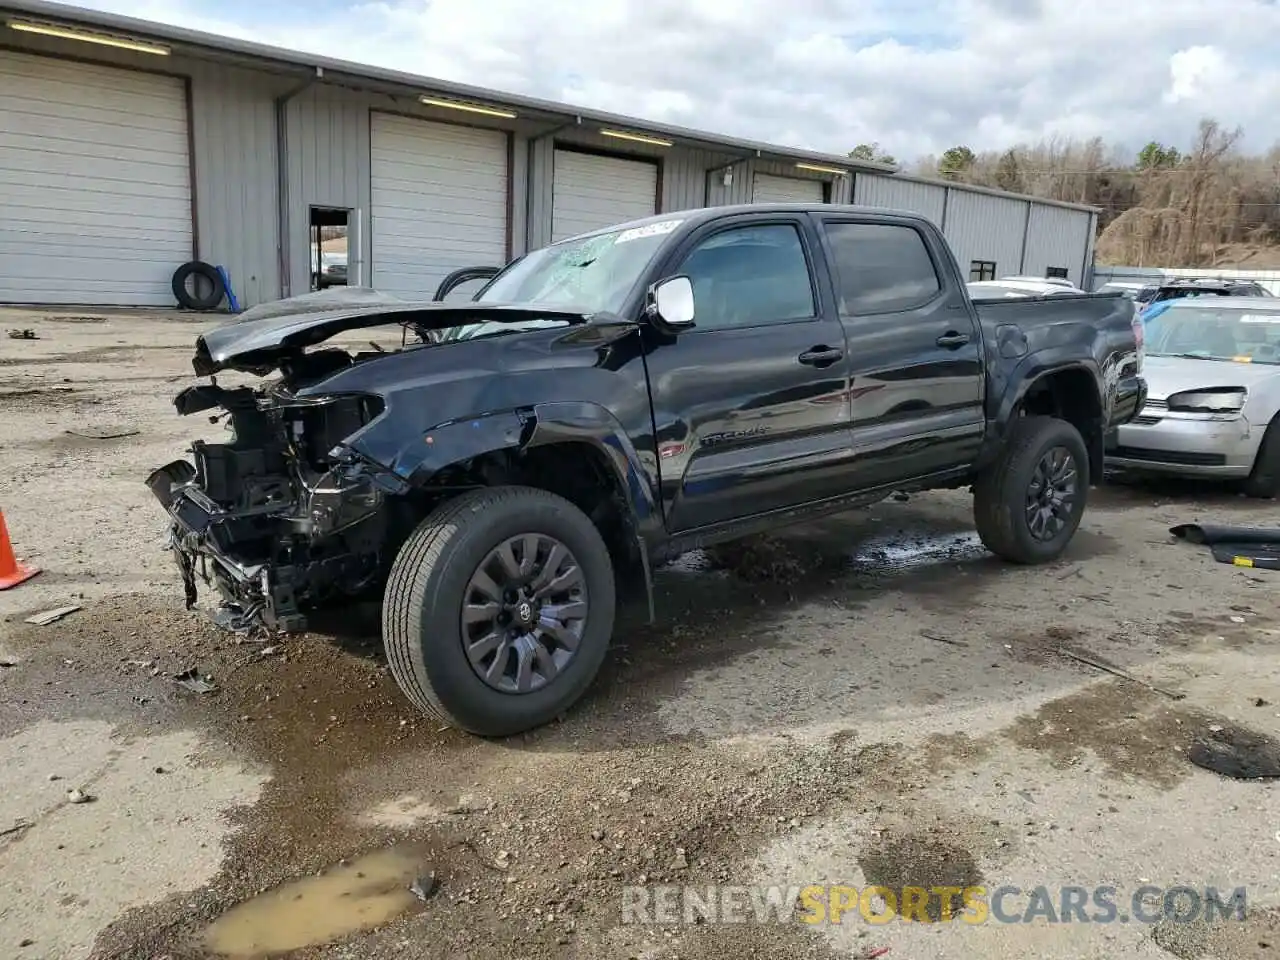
x=649 y=230
x=1260 y=318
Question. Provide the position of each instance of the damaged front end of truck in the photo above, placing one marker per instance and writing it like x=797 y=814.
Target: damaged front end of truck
x=306 y=502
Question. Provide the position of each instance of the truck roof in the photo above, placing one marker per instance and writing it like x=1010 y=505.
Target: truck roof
x=703 y=214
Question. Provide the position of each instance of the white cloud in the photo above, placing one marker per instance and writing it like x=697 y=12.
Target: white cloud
x=824 y=74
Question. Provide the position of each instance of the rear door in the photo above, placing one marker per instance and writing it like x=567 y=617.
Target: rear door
x=916 y=366
x=749 y=406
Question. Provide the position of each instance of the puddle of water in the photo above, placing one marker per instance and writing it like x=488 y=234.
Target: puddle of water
x=355 y=896
x=1237 y=753
x=903 y=550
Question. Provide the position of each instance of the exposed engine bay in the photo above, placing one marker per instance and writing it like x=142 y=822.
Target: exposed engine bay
x=282 y=512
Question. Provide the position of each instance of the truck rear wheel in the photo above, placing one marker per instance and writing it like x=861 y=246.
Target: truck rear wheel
x=499 y=609
x=1029 y=502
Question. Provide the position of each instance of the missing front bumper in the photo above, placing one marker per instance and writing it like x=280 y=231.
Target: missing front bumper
x=203 y=538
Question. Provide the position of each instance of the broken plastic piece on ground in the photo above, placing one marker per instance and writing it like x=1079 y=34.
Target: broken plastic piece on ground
x=105 y=433
x=192 y=680
x=26 y=334
x=47 y=617
x=1240 y=546
x=1237 y=753
x=424 y=885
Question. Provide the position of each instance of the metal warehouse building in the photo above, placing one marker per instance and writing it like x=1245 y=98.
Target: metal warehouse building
x=128 y=148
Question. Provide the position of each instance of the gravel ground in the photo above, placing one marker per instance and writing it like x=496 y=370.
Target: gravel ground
x=870 y=699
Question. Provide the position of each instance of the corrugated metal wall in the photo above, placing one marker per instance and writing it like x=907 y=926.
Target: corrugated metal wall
x=234 y=156
x=326 y=163
x=984 y=227
x=874 y=190
x=327 y=160
x=1056 y=237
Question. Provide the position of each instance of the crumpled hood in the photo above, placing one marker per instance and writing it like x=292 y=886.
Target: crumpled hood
x=258 y=345
x=1168 y=375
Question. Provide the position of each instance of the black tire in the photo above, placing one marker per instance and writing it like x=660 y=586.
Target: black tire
x=422 y=607
x=1000 y=494
x=1264 y=478
x=217 y=289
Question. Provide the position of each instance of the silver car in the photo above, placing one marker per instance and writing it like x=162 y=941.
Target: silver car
x=1212 y=368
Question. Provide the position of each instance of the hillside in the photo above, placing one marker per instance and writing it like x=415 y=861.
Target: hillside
x=1209 y=205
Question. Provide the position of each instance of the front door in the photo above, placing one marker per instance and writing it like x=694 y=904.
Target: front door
x=916 y=367
x=750 y=409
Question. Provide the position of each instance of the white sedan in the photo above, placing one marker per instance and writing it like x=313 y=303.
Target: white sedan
x=1213 y=394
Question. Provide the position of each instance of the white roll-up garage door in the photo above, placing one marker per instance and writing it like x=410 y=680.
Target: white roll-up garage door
x=95 y=183
x=438 y=202
x=590 y=191
x=767 y=188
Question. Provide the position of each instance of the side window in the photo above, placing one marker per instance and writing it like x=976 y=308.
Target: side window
x=747 y=276
x=881 y=267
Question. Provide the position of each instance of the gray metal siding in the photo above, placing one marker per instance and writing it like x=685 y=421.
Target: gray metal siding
x=233 y=129
x=983 y=227
x=327 y=164
x=874 y=190
x=1056 y=237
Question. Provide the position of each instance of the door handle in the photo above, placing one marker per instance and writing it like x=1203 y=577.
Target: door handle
x=950 y=340
x=821 y=356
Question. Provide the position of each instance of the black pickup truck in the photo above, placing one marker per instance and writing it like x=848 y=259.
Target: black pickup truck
x=611 y=401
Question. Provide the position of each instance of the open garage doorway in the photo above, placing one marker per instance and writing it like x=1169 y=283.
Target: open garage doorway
x=329 y=233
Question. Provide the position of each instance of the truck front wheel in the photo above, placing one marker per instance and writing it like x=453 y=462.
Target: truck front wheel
x=499 y=609
x=1029 y=502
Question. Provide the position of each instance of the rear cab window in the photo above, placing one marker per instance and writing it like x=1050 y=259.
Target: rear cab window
x=880 y=267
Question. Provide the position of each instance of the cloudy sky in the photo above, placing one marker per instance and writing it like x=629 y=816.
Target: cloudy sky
x=914 y=76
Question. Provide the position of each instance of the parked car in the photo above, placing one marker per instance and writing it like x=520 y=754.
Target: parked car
x=1213 y=370
x=612 y=401
x=1179 y=289
x=1021 y=287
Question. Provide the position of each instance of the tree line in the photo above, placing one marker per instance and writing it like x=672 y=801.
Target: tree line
x=1205 y=205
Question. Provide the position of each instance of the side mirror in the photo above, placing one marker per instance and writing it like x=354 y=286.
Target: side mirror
x=671 y=304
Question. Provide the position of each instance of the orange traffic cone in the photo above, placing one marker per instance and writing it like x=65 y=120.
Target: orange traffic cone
x=12 y=572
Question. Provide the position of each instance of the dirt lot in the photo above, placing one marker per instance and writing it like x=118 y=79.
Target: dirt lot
x=869 y=700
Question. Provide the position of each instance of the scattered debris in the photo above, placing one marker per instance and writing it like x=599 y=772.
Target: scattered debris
x=1236 y=619
x=18 y=827
x=424 y=886
x=76 y=795
x=103 y=434
x=1237 y=753
x=192 y=680
x=50 y=616
x=25 y=334
x=933 y=636
x=1259 y=702
x=1117 y=672
x=8 y=662
x=901 y=496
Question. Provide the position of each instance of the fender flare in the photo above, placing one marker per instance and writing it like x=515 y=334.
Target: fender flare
x=1031 y=371
x=535 y=426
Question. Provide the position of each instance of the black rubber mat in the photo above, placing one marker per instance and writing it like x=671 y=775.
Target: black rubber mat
x=1241 y=546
